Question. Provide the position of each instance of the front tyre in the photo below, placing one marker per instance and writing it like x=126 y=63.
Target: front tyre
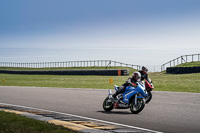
x=135 y=109
x=107 y=106
x=149 y=97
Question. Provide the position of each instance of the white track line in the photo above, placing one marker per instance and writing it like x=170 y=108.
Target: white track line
x=84 y=118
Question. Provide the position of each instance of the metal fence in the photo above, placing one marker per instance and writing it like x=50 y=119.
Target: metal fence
x=180 y=60
x=154 y=68
x=91 y=63
x=103 y=63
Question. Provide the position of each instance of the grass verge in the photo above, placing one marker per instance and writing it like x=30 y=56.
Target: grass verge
x=13 y=123
x=176 y=82
x=161 y=81
x=189 y=64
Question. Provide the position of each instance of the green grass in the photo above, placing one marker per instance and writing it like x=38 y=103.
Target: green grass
x=189 y=64
x=13 y=123
x=176 y=82
x=60 y=81
x=161 y=81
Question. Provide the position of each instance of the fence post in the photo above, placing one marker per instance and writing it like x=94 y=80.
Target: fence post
x=181 y=59
x=186 y=58
x=177 y=61
x=192 y=58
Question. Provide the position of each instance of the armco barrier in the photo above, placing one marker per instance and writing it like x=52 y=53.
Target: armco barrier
x=182 y=70
x=122 y=72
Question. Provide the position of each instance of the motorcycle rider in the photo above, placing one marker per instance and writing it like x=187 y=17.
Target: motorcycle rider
x=131 y=81
x=144 y=74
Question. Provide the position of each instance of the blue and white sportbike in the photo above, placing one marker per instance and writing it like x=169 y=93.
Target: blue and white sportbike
x=133 y=98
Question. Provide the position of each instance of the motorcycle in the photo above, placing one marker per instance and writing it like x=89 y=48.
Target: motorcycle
x=132 y=98
x=149 y=87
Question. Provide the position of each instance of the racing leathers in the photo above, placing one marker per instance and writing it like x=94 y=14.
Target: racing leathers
x=131 y=81
x=144 y=75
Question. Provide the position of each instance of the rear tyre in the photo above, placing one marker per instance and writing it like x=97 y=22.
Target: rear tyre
x=135 y=109
x=107 y=106
x=149 y=97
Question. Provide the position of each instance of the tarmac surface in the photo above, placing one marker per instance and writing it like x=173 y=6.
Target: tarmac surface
x=170 y=112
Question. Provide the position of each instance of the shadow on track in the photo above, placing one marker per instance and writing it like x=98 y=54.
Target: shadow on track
x=115 y=112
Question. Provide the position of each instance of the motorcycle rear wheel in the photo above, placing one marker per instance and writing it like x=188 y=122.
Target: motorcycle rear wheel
x=107 y=107
x=135 y=109
x=149 y=97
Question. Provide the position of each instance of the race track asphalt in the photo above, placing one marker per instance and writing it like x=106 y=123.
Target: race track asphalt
x=170 y=112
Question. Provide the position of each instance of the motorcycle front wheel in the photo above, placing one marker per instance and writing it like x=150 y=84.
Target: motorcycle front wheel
x=107 y=106
x=138 y=107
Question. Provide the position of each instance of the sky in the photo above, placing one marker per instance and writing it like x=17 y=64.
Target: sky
x=139 y=32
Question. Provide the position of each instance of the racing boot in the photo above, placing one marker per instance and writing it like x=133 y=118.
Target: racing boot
x=120 y=90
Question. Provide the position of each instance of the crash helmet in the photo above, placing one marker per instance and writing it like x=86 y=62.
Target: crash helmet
x=144 y=69
x=136 y=76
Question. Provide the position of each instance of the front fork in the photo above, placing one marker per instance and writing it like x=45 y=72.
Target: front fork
x=109 y=94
